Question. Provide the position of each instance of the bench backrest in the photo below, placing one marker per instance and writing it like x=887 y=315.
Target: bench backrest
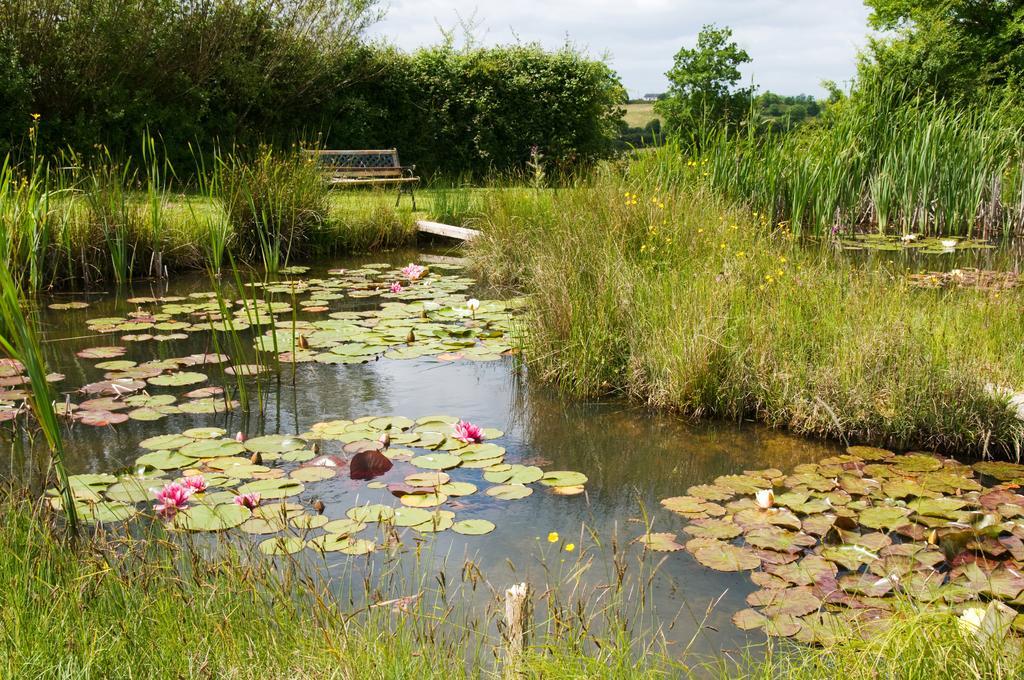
x=361 y=163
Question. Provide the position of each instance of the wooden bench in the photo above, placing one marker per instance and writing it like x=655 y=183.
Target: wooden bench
x=364 y=167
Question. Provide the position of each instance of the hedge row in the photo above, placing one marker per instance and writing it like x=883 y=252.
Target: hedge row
x=238 y=72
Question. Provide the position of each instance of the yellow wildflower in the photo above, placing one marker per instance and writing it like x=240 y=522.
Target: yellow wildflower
x=569 y=547
x=553 y=537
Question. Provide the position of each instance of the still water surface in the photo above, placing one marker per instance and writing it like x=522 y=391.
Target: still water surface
x=632 y=457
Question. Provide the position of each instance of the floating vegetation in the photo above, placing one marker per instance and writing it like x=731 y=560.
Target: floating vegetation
x=979 y=279
x=834 y=545
x=430 y=317
x=926 y=245
x=202 y=480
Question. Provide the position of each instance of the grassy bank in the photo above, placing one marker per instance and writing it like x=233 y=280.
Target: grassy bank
x=68 y=222
x=874 y=161
x=114 y=606
x=676 y=299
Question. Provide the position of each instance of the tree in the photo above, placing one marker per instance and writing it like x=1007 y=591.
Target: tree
x=951 y=48
x=702 y=82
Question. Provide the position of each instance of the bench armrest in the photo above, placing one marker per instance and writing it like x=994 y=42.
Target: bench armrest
x=408 y=170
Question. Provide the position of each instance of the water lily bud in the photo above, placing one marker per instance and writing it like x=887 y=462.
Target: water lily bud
x=316 y=448
x=319 y=506
x=385 y=441
x=240 y=437
x=256 y=458
x=411 y=338
x=765 y=498
x=302 y=342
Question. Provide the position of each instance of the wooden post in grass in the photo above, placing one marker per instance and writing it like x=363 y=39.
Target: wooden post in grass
x=517 y=628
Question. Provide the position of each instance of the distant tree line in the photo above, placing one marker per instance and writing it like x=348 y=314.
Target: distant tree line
x=237 y=73
x=965 y=51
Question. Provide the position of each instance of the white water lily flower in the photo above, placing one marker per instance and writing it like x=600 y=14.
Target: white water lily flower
x=907 y=238
x=948 y=243
x=970 y=621
x=765 y=498
x=472 y=304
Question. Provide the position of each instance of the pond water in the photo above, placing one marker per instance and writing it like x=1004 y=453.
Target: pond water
x=631 y=458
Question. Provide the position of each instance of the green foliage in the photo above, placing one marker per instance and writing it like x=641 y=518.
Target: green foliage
x=276 y=204
x=959 y=48
x=675 y=299
x=781 y=113
x=237 y=73
x=875 y=160
x=702 y=82
x=477 y=112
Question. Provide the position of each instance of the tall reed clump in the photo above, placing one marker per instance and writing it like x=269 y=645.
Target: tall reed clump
x=276 y=203
x=19 y=341
x=675 y=299
x=876 y=161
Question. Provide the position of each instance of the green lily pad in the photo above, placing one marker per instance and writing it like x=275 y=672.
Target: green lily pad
x=437 y=461
x=473 y=527
x=270 y=489
x=129 y=490
x=727 y=557
x=178 y=379
x=274 y=443
x=563 y=478
x=509 y=492
x=880 y=517
x=211 y=448
x=282 y=545
x=164 y=460
x=660 y=542
x=211 y=518
x=440 y=520
x=411 y=516
x=168 y=442
x=371 y=513
x=423 y=500
x=344 y=526
x=515 y=474
x=205 y=432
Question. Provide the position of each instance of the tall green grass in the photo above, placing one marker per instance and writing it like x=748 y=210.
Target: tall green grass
x=675 y=299
x=75 y=219
x=875 y=161
x=19 y=341
x=144 y=603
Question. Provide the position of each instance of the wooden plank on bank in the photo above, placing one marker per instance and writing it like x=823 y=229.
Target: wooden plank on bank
x=446 y=230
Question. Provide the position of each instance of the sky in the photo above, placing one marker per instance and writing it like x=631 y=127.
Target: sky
x=794 y=44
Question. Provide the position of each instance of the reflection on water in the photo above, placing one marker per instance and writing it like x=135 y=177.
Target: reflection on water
x=633 y=458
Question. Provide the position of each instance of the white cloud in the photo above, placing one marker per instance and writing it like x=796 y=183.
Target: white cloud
x=795 y=44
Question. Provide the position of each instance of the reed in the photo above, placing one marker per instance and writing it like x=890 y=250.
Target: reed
x=876 y=161
x=677 y=299
x=19 y=340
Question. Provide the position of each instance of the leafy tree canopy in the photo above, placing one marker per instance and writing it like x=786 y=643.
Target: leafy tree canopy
x=948 y=48
x=703 y=81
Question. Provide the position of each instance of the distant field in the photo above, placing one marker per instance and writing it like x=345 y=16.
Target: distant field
x=639 y=115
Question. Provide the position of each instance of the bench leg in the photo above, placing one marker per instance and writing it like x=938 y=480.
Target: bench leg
x=406 y=188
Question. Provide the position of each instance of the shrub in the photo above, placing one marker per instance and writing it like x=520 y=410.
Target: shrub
x=276 y=204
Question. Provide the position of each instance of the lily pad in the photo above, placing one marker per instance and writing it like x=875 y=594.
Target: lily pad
x=473 y=527
x=211 y=518
x=270 y=489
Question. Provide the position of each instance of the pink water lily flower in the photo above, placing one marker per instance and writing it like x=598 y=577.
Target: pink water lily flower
x=396 y=287
x=195 y=484
x=247 y=500
x=468 y=432
x=414 y=272
x=171 y=498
